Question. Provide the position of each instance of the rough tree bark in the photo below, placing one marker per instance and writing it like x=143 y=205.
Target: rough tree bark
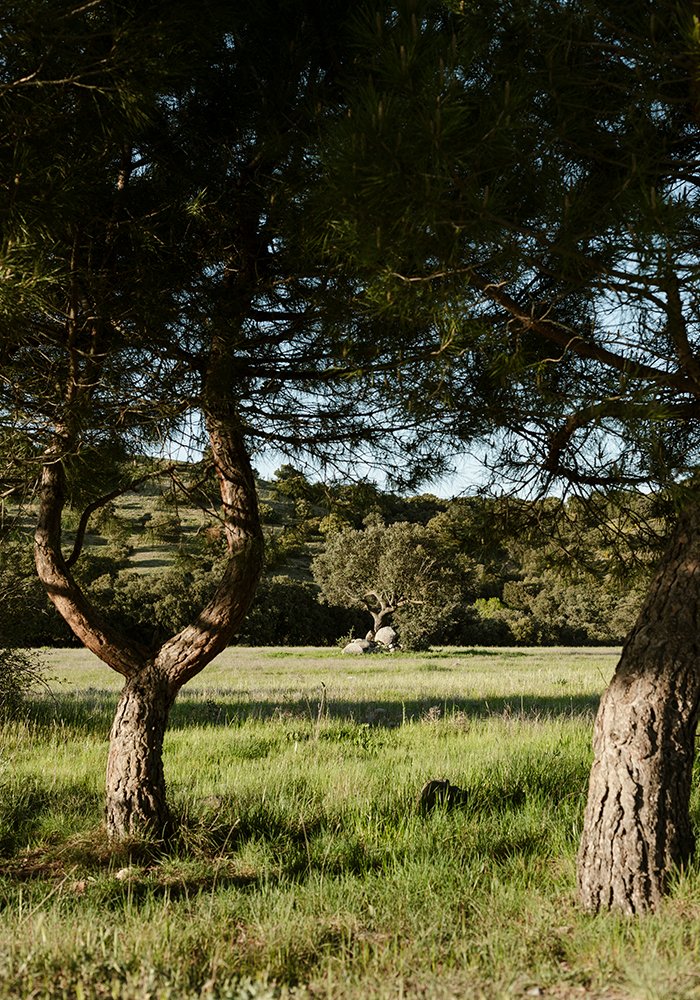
x=637 y=824
x=136 y=798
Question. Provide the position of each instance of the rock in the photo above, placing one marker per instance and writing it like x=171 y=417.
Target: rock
x=440 y=792
x=386 y=636
x=359 y=646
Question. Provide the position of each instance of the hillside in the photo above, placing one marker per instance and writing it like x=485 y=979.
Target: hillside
x=545 y=572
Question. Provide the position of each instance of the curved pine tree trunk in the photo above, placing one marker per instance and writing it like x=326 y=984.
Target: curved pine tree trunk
x=135 y=792
x=637 y=823
x=136 y=800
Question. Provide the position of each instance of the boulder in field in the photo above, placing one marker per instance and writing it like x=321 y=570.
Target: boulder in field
x=359 y=647
x=387 y=636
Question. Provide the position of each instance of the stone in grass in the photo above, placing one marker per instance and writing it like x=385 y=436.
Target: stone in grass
x=124 y=874
x=359 y=647
x=387 y=636
x=440 y=792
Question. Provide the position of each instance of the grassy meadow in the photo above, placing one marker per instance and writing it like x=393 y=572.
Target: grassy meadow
x=303 y=867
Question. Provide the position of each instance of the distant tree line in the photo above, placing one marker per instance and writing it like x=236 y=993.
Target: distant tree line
x=466 y=571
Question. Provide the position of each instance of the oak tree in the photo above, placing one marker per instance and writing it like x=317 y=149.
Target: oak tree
x=397 y=573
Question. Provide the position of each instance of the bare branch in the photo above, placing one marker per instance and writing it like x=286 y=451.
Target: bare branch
x=678 y=330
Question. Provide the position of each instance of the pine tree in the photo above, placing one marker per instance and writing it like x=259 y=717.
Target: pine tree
x=159 y=282
x=529 y=170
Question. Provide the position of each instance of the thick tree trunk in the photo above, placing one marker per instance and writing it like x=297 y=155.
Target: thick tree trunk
x=379 y=608
x=637 y=824
x=136 y=802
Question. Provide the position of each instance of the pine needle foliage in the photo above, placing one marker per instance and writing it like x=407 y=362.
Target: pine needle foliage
x=527 y=171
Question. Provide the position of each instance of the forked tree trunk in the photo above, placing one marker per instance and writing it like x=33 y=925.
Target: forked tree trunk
x=136 y=801
x=380 y=618
x=637 y=824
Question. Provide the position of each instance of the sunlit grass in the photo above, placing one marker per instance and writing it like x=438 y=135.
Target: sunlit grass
x=303 y=866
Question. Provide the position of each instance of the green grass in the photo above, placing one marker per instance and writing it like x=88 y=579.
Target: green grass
x=303 y=867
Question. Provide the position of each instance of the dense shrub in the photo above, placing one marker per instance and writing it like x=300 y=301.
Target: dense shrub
x=27 y=617
x=153 y=606
x=556 y=612
x=111 y=525
x=286 y=612
x=20 y=671
x=165 y=526
x=421 y=626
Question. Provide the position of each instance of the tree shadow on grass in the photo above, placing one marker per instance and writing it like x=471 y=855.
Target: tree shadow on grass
x=103 y=882
x=297 y=833
x=204 y=853
x=93 y=711
x=380 y=712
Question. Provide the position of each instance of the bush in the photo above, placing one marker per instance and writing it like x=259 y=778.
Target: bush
x=492 y=624
x=112 y=526
x=27 y=617
x=155 y=605
x=165 y=526
x=20 y=671
x=420 y=626
x=286 y=612
x=555 y=612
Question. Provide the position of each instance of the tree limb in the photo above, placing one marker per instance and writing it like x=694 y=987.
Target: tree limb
x=114 y=647
x=101 y=502
x=563 y=337
x=678 y=330
x=614 y=408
